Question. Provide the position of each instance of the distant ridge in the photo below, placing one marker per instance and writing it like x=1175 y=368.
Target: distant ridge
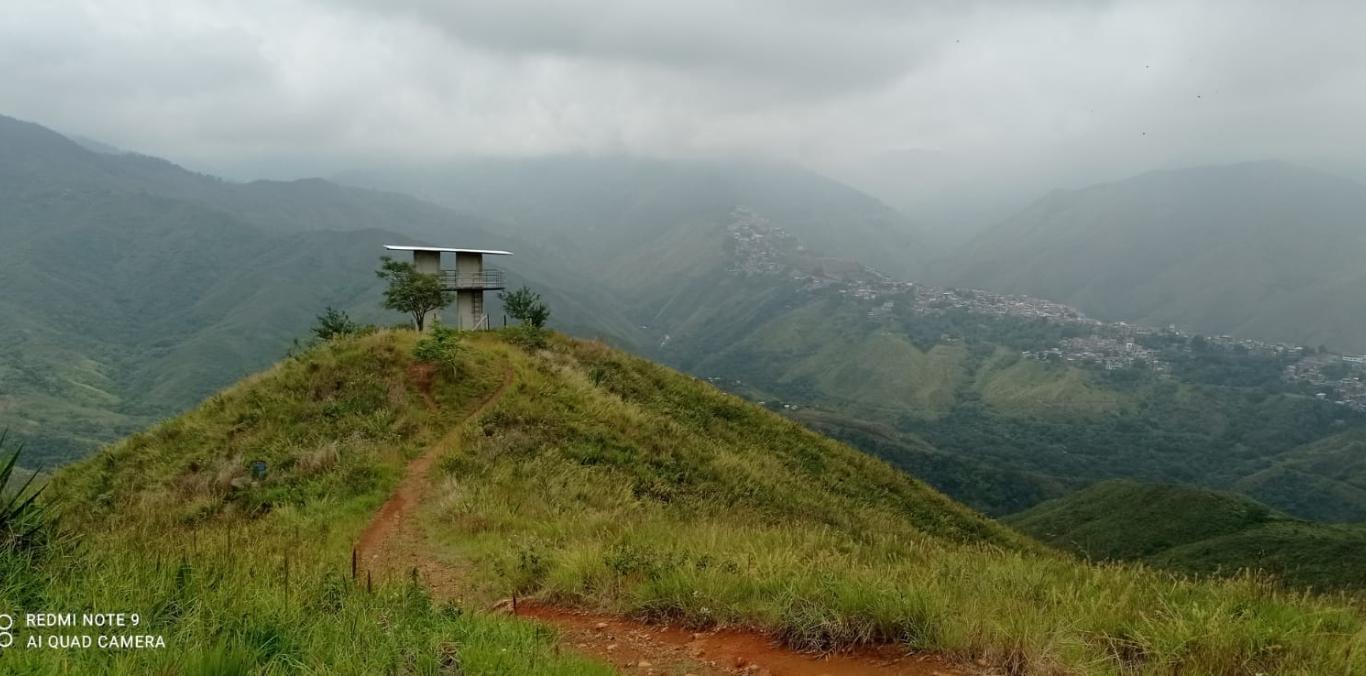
x=1260 y=249
x=1201 y=531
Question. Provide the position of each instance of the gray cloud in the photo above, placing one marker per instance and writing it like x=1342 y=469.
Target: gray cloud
x=803 y=50
x=955 y=97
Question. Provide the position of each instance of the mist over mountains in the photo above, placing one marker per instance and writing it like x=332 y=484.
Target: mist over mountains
x=1267 y=249
x=770 y=280
x=607 y=210
x=136 y=287
x=133 y=287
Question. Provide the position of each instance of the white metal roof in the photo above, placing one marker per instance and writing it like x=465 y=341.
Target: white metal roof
x=442 y=249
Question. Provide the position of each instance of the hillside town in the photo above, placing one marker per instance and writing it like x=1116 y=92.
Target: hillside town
x=761 y=248
x=1104 y=352
x=1337 y=378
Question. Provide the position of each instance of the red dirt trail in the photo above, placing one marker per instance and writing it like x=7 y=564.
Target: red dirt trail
x=638 y=648
x=393 y=544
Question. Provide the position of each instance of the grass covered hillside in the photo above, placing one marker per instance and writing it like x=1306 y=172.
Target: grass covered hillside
x=245 y=575
x=1198 y=531
x=133 y=288
x=582 y=477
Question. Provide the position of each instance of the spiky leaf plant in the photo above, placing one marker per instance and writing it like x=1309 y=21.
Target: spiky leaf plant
x=21 y=516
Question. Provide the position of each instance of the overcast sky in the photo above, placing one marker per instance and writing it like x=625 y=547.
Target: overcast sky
x=928 y=92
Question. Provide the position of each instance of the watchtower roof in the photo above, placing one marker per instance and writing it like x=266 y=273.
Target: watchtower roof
x=442 y=249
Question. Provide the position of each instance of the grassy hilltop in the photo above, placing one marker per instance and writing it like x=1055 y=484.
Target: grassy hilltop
x=596 y=480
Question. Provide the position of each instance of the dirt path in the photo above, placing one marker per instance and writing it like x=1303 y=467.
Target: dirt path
x=639 y=648
x=394 y=545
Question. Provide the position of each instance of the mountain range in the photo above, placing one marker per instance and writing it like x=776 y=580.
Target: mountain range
x=1265 y=250
x=134 y=288
x=1002 y=401
x=610 y=212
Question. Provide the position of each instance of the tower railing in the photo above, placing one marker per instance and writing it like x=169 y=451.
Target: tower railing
x=488 y=278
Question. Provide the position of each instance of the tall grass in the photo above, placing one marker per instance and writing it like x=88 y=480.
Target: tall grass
x=601 y=481
x=658 y=496
x=243 y=574
x=271 y=596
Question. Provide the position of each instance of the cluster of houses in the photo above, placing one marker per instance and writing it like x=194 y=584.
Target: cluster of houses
x=1337 y=378
x=759 y=248
x=1100 y=351
x=929 y=299
x=1250 y=345
x=762 y=248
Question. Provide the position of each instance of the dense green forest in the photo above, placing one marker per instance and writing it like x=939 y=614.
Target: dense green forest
x=1198 y=531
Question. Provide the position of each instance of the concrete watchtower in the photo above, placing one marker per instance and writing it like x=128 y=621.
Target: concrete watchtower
x=469 y=279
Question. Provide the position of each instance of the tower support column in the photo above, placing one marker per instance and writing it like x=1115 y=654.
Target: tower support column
x=428 y=262
x=469 y=303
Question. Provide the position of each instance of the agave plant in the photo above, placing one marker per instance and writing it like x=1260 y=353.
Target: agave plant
x=21 y=516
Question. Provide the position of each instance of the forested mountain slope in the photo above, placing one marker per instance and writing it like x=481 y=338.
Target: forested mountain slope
x=133 y=288
x=1195 y=530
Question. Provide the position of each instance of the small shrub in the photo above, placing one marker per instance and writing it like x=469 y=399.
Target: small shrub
x=526 y=336
x=525 y=306
x=528 y=571
x=441 y=348
x=332 y=323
